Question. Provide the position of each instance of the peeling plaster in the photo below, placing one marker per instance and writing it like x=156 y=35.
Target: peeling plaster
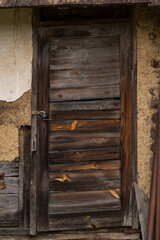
x=15 y=53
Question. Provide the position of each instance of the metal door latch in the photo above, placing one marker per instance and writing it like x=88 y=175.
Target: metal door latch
x=42 y=113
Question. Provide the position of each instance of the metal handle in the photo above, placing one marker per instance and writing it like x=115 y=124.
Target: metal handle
x=42 y=113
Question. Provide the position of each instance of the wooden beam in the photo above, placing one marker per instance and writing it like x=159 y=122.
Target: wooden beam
x=143 y=210
x=36 y=3
x=34 y=132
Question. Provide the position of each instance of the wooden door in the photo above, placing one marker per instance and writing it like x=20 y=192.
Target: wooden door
x=84 y=170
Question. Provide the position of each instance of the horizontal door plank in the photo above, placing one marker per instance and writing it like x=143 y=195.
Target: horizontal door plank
x=9 y=169
x=82 y=140
x=84 y=175
x=80 y=43
x=74 y=77
x=84 y=155
x=9 y=185
x=89 y=201
x=85 y=105
x=9 y=210
x=95 y=92
x=77 y=186
x=86 y=125
x=71 y=136
x=104 y=165
x=98 y=79
x=77 y=115
x=85 y=220
x=85 y=63
x=78 y=53
x=92 y=30
x=85 y=144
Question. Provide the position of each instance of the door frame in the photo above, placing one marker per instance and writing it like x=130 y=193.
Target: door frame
x=128 y=119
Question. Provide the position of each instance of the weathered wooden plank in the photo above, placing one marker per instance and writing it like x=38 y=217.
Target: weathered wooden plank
x=85 y=75
x=24 y=175
x=82 y=78
x=126 y=122
x=92 y=30
x=143 y=210
x=83 y=93
x=89 y=201
x=34 y=129
x=86 y=64
x=84 y=155
x=6 y=231
x=84 y=175
x=9 y=210
x=77 y=115
x=112 y=164
x=9 y=169
x=83 y=53
x=9 y=185
x=85 y=144
x=85 y=221
x=43 y=104
x=85 y=106
x=81 y=43
x=71 y=136
x=85 y=125
x=77 y=186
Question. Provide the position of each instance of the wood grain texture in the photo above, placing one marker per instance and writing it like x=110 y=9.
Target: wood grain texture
x=24 y=175
x=85 y=106
x=85 y=221
x=93 y=165
x=84 y=155
x=91 y=30
x=126 y=122
x=84 y=93
x=42 y=179
x=9 y=210
x=86 y=144
x=9 y=179
x=77 y=115
x=86 y=125
x=10 y=169
x=85 y=176
x=91 y=201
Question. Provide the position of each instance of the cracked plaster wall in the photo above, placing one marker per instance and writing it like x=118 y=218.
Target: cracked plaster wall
x=148 y=48
x=15 y=77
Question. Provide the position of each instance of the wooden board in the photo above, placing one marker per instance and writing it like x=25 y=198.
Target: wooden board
x=85 y=106
x=9 y=210
x=86 y=125
x=9 y=179
x=82 y=202
x=84 y=155
x=85 y=221
x=84 y=93
x=77 y=115
x=81 y=43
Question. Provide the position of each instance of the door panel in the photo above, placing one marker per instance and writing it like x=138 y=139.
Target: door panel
x=81 y=185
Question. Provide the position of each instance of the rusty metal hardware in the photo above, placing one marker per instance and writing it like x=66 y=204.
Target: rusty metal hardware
x=42 y=113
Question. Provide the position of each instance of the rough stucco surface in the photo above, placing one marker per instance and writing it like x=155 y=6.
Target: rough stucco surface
x=15 y=77
x=15 y=53
x=148 y=45
x=12 y=116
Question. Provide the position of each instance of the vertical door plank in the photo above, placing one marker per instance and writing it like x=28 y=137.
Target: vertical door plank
x=43 y=180
x=126 y=122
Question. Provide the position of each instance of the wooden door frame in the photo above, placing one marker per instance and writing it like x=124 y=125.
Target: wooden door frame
x=130 y=117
